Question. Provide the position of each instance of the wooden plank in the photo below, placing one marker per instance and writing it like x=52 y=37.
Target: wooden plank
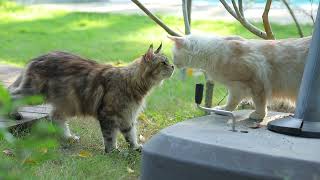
x=30 y=114
x=40 y=109
x=27 y=118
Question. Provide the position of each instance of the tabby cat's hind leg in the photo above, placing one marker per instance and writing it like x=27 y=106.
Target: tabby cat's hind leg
x=18 y=93
x=15 y=94
x=15 y=84
x=61 y=122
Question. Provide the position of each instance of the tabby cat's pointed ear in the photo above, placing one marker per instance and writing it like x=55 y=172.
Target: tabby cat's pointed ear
x=149 y=54
x=159 y=49
x=179 y=41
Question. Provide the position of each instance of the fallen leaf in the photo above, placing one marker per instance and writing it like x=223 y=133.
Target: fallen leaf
x=84 y=154
x=189 y=72
x=130 y=170
x=142 y=139
x=29 y=161
x=8 y=152
x=143 y=117
x=43 y=150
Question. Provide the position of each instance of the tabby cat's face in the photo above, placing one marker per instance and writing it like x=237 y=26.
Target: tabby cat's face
x=157 y=65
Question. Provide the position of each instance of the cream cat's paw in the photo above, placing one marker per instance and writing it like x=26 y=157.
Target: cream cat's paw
x=257 y=116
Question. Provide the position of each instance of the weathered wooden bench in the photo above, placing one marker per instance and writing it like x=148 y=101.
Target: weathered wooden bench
x=31 y=114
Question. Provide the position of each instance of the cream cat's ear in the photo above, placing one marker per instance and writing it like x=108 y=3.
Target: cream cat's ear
x=179 y=41
x=149 y=54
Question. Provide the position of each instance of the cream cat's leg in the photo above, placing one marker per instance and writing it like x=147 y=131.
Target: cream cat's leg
x=234 y=99
x=236 y=94
x=130 y=134
x=260 y=102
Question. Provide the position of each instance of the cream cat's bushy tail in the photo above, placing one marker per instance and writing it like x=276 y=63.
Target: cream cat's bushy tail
x=259 y=69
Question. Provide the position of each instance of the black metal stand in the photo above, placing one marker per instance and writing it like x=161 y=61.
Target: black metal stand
x=295 y=127
x=306 y=121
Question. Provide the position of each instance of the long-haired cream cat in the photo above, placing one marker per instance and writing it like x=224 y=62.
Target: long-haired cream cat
x=259 y=69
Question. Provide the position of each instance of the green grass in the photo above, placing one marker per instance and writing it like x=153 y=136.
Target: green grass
x=108 y=38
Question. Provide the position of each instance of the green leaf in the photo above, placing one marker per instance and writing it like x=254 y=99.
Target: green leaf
x=4 y=134
x=5 y=101
x=29 y=100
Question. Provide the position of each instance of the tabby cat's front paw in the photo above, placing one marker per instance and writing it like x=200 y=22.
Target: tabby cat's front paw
x=110 y=150
x=257 y=116
x=73 y=139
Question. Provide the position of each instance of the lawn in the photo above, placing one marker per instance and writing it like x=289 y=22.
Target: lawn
x=27 y=32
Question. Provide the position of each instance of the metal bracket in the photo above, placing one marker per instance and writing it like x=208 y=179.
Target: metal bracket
x=198 y=99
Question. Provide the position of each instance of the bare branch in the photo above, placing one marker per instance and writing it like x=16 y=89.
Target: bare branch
x=189 y=5
x=186 y=17
x=307 y=14
x=293 y=17
x=265 y=19
x=229 y=9
x=186 y=10
x=240 y=7
x=235 y=7
x=311 y=12
x=254 y=29
x=155 y=19
x=236 y=13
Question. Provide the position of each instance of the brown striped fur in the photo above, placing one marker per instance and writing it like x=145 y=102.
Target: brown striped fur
x=80 y=87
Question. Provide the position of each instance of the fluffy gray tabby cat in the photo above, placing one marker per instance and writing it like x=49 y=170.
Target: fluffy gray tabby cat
x=80 y=87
